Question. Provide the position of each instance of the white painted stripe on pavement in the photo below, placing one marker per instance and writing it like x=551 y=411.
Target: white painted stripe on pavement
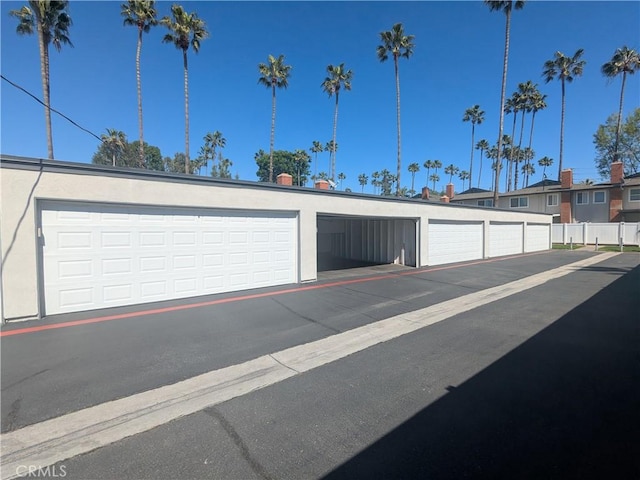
x=79 y=432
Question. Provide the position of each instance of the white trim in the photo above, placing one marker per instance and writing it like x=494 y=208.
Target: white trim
x=578 y=194
x=519 y=202
x=552 y=196
x=631 y=190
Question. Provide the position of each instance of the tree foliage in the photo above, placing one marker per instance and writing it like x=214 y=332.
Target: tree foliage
x=604 y=141
x=284 y=162
x=129 y=156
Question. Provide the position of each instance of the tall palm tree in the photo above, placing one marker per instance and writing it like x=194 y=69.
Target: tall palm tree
x=375 y=181
x=625 y=61
x=51 y=21
x=436 y=165
x=565 y=69
x=434 y=177
x=505 y=6
x=526 y=91
x=428 y=165
x=483 y=146
x=527 y=170
x=464 y=175
x=142 y=15
x=273 y=74
x=316 y=148
x=337 y=78
x=536 y=103
x=476 y=116
x=362 y=180
x=212 y=141
x=451 y=170
x=512 y=105
x=341 y=177
x=413 y=169
x=185 y=29
x=545 y=162
x=396 y=43
x=115 y=143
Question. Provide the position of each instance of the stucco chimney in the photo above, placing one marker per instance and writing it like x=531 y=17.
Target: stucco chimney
x=617 y=172
x=444 y=199
x=566 y=178
x=322 y=185
x=449 y=190
x=284 y=179
x=425 y=193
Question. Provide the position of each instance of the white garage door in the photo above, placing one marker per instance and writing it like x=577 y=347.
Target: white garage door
x=538 y=235
x=97 y=256
x=451 y=241
x=505 y=238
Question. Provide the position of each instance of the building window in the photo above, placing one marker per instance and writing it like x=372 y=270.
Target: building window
x=599 y=197
x=520 y=202
x=485 y=203
x=634 y=194
x=582 y=198
x=552 y=200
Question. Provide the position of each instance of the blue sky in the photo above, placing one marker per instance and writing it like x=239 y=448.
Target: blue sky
x=457 y=63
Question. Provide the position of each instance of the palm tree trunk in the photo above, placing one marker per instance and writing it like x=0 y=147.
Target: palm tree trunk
x=615 y=153
x=138 y=49
x=510 y=163
x=533 y=119
x=186 y=112
x=46 y=91
x=473 y=131
x=333 y=150
x=273 y=130
x=480 y=172
x=561 y=134
x=505 y=64
x=395 y=58
x=515 y=186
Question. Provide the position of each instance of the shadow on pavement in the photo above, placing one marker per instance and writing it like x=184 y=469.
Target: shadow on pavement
x=563 y=405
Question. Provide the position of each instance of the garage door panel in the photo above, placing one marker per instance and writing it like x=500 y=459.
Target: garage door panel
x=538 y=236
x=451 y=241
x=120 y=255
x=505 y=238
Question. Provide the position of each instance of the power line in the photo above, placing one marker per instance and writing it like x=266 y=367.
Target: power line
x=50 y=108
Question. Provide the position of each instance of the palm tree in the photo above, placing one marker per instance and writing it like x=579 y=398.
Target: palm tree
x=505 y=6
x=526 y=91
x=625 y=60
x=341 y=177
x=483 y=146
x=512 y=105
x=115 y=142
x=336 y=79
x=464 y=175
x=396 y=43
x=527 y=170
x=536 y=103
x=141 y=14
x=476 y=116
x=363 y=179
x=273 y=74
x=436 y=165
x=545 y=162
x=185 y=30
x=451 y=170
x=51 y=21
x=413 y=169
x=212 y=141
x=375 y=181
x=434 y=178
x=564 y=69
x=316 y=148
x=428 y=165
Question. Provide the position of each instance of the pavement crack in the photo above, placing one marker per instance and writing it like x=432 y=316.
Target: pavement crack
x=308 y=319
x=285 y=366
x=25 y=379
x=255 y=465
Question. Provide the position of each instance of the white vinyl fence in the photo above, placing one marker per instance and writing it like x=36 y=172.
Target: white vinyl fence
x=591 y=233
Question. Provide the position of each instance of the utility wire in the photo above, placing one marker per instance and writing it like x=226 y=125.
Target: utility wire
x=52 y=109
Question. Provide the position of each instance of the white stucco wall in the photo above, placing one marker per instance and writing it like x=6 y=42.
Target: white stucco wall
x=24 y=181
